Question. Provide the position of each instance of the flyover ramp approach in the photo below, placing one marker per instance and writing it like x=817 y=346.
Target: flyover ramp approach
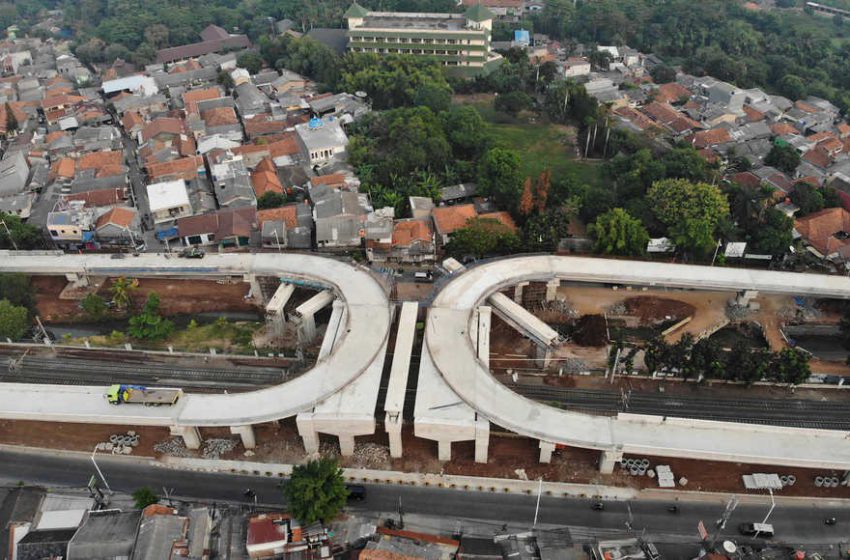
x=453 y=354
x=361 y=343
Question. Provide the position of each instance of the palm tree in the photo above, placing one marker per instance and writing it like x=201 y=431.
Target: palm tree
x=121 y=289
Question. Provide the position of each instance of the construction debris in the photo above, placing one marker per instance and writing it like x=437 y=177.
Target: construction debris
x=173 y=447
x=216 y=447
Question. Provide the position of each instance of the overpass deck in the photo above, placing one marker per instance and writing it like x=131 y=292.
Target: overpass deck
x=365 y=335
x=454 y=357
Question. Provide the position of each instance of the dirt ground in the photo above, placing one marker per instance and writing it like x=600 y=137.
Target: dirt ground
x=412 y=291
x=176 y=296
x=510 y=456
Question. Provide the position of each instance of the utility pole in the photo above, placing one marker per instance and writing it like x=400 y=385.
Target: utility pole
x=99 y=472
x=721 y=523
x=9 y=233
x=537 y=507
x=400 y=514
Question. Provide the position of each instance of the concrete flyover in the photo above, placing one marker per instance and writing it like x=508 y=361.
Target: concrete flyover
x=455 y=356
x=360 y=337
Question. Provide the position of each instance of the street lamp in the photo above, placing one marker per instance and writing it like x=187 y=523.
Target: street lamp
x=766 y=517
x=97 y=468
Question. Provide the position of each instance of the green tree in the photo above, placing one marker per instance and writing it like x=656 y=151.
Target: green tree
x=656 y=355
x=808 y=198
x=122 y=288
x=17 y=289
x=663 y=74
x=544 y=230
x=690 y=211
x=783 y=157
x=250 y=61
x=271 y=199
x=513 y=102
x=499 y=176
x=225 y=80
x=791 y=366
x=14 y=320
x=316 y=491
x=616 y=232
x=94 y=306
x=149 y=324
x=792 y=86
x=435 y=96
x=466 y=131
x=144 y=497
x=23 y=236
x=482 y=237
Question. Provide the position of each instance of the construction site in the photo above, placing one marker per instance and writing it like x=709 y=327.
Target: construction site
x=335 y=368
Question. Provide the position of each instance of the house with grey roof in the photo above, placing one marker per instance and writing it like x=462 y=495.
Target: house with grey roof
x=231 y=181
x=250 y=101
x=339 y=216
x=14 y=173
x=105 y=535
x=322 y=139
x=158 y=535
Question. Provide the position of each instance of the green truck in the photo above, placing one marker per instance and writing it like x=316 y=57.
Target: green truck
x=148 y=396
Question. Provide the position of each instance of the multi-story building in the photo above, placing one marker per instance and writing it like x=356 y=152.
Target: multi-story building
x=461 y=41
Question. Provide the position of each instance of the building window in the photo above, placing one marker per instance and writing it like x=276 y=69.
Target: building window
x=54 y=233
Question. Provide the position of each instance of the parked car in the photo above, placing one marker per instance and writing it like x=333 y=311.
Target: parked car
x=192 y=253
x=356 y=492
x=764 y=530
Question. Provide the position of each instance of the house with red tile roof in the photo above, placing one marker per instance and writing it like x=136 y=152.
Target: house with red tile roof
x=448 y=219
x=264 y=179
x=710 y=138
x=192 y=97
x=827 y=232
x=118 y=226
x=187 y=168
x=672 y=93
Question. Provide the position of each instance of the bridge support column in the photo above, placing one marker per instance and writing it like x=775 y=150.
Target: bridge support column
x=247 y=435
x=392 y=424
x=256 y=290
x=346 y=445
x=552 y=289
x=546 y=450
x=544 y=356
x=518 y=289
x=607 y=460
x=482 y=440
x=190 y=434
x=444 y=450
x=308 y=433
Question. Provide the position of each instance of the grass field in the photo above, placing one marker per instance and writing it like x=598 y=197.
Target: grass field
x=541 y=144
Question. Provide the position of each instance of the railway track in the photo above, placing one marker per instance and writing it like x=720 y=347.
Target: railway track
x=776 y=412
x=70 y=371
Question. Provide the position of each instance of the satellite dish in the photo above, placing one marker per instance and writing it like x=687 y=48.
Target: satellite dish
x=729 y=547
x=361 y=94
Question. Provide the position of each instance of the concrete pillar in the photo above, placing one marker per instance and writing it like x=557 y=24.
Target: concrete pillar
x=483 y=334
x=247 y=435
x=543 y=355
x=78 y=280
x=518 y=289
x=256 y=291
x=393 y=427
x=307 y=329
x=190 y=434
x=482 y=440
x=346 y=445
x=308 y=434
x=608 y=459
x=546 y=450
x=552 y=289
x=444 y=450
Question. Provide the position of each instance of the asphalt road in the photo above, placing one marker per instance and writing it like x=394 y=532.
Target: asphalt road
x=794 y=524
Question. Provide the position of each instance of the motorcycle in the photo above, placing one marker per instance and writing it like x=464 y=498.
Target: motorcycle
x=673 y=509
x=598 y=506
x=830 y=521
